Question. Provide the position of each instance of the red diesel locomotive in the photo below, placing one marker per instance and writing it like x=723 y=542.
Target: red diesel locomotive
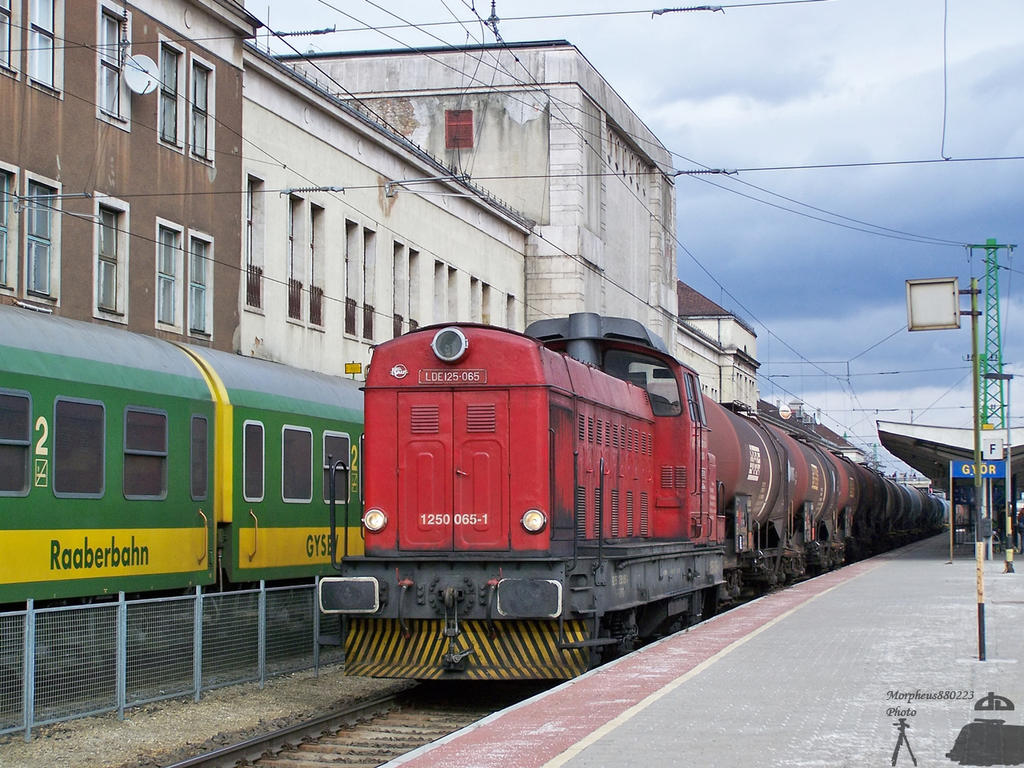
x=537 y=502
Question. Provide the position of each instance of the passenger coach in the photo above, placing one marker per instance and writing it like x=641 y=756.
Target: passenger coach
x=131 y=464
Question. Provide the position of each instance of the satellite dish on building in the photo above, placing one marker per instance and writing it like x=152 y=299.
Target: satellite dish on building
x=141 y=74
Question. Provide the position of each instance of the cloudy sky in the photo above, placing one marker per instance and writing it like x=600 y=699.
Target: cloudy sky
x=815 y=258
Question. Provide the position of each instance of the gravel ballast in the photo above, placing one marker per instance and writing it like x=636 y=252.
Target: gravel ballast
x=173 y=730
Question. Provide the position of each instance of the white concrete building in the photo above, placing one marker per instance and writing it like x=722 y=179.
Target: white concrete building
x=352 y=235
x=719 y=346
x=539 y=127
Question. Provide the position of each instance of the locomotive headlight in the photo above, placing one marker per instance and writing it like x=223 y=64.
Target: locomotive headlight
x=534 y=520
x=449 y=344
x=374 y=520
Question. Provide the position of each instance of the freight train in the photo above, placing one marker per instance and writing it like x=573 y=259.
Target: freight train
x=137 y=465
x=535 y=503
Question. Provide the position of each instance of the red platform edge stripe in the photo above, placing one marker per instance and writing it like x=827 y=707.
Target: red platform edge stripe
x=531 y=734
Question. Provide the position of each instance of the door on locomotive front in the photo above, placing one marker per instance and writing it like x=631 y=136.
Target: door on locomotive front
x=453 y=470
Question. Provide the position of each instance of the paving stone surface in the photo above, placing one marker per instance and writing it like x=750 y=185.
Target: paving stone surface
x=820 y=674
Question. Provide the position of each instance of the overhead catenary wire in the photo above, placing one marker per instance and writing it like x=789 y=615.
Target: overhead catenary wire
x=762 y=324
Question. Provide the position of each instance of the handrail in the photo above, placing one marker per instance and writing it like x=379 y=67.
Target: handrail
x=255 y=534
x=332 y=482
x=600 y=516
x=206 y=524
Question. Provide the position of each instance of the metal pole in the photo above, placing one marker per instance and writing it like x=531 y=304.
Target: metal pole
x=952 y=515
x=979 y=544
x=1010 y=506
x=989 y=516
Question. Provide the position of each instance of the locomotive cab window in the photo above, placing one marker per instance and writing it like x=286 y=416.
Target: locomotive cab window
x=695 y=400
x=15 y=425
x=338 y=446
x=145 y=454
x=199 y=472
x=650 y=374
x=78 y=430
x=296 y=464
x=252 y=450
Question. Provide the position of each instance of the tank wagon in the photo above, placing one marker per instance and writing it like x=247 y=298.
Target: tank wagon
x=535 y=503
x=132 y=464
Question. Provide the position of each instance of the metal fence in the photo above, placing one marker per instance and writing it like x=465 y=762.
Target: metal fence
x=62 y=663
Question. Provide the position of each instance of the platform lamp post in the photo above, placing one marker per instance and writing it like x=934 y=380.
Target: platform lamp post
x=934 y=304
x=1010 y=506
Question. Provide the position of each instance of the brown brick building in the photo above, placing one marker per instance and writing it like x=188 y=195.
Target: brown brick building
x=120 y=188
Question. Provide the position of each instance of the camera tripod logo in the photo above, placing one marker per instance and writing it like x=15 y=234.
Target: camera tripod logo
x=902 y=740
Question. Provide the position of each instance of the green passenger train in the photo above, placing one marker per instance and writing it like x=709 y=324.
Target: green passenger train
x=133 y=464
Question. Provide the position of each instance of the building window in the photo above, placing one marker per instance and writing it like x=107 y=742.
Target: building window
x=295 y=253
x=107 y=260
x=200 y=110
x=145 y=454
x=78 y=429
x=167 y=269
x=39 y=250
x=5 y=207
x=399 y=287
x=15 y=436
x=170 y=63
x=458 y=129
x=199 y=294
x=110 y=63
x=5 y=33
x=369 y=281
x=414 y=289
x=352 y=272
x=254 y=243
x=41 y=34
x=317 y=254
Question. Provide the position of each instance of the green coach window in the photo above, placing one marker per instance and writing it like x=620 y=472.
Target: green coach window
x=145 y=454
x=337 y=445
x=78 y=430
x=252 y=450
x=15 y=419
x=297 y=464
x=199 y=473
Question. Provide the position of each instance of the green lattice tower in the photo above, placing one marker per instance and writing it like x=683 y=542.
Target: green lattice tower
x=992 y=396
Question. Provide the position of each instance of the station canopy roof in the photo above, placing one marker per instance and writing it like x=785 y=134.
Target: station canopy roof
x=930 y=449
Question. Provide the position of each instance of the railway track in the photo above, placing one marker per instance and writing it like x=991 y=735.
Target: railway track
x=369 y=734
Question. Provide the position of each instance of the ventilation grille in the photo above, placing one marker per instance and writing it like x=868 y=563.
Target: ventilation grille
x=630 y=531
x=643 y=514
x=673 y=477
x=581 y=512
x=480 y=417
x=426 y=420
x=615 y=512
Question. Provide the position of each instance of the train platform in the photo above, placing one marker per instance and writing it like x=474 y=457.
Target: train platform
x=874 y=664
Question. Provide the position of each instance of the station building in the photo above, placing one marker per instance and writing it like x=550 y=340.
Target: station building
x=169 y=177
x=541 y=129
x=720 y=346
